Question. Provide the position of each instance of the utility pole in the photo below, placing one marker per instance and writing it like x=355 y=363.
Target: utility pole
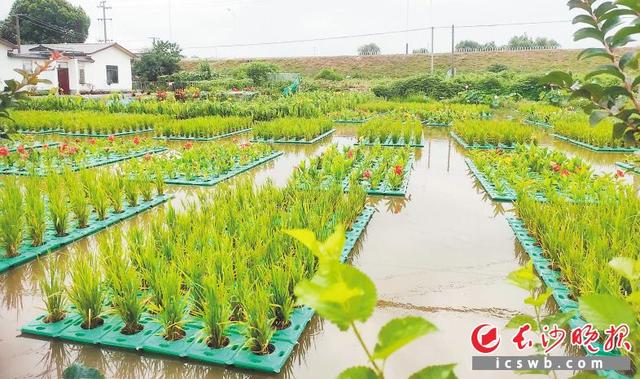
x=406 y=35
x=432 y=48
x=104 y=19
x=18 y=41
x=453 y=50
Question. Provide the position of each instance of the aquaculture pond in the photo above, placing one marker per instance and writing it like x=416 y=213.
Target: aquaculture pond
x=442 y=251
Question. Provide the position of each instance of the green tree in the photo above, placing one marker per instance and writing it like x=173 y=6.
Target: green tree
x=66 y=23
x=369 y=49
x=468 y=45
x=163 y=59
x=257 y=71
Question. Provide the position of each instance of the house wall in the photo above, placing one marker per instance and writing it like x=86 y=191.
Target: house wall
x=9 y=64
x=96 y=72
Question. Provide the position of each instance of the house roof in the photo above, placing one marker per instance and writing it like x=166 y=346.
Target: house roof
x=70 y=49
x=7 y=43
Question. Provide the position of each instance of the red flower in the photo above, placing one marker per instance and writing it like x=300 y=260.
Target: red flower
x=619 y=173
x=4 y=151
x=565 y=172
x=350 y=154
x=398 y=170
x=92 y=141
x=73 y=150
x=245 y=145
x=188 y=145
x=111 y=138
x=556 y=167
x=366 y=174
x=136 y=140
x=21 y=149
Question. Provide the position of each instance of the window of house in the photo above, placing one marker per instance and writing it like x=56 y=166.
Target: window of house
x=112 y=74
x=81 y=74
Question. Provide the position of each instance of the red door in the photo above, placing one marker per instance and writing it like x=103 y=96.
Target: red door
x=63 y=81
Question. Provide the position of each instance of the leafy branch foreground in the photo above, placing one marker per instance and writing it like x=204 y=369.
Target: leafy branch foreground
x=343 y=295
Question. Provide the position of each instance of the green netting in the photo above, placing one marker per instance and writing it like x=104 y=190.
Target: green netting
x=53 y=242
x=476 y=146
x=596 y=148
x=191 y=346
x=294 y=141
x=199 y=181
x=102 y=135
x=561 y=293
x=89 y=163
x=212 y=138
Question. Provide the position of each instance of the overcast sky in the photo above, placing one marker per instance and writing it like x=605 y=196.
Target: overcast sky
x=200 y=25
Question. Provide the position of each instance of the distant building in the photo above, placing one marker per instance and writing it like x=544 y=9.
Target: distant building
x=85 y=67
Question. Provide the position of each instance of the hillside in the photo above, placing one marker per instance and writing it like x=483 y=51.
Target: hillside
x=405 y=65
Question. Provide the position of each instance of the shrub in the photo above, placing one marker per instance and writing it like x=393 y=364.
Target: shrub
x=497 y=67
x=257 y=71
x=329 y=74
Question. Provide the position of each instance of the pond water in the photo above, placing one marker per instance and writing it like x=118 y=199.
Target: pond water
x=443 y=253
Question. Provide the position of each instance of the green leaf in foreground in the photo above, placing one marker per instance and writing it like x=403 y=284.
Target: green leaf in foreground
x=519 y=320
x=358 y=372
x=398 y=333
x=436 y=372
x=342 y=294
x=605 y=310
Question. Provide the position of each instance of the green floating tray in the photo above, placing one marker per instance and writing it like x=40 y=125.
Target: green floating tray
x=302 y=142
x=352 y=121
x=629 y=167
x=235 y=353
x=39 y=132
x=213 y=138
x=596 y=148
x=434 y=124
x=52 y=242
x=35 y=146
x=229 y=174
x=542 y=124
x=507 y=195
x=101 y=135
x=94 y=162
x=384 y=189
x=389 y=143
x=551 y=278
x=464 y=144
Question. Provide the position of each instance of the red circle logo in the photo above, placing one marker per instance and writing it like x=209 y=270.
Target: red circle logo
x=485 y=338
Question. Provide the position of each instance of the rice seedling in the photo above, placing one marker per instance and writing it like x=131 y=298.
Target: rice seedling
x=85 y=122
x=53 y=290
x=391 y=130
x=130 y=187
x=495 y=132
x=59 y=209
x=98 y=196
x=86 y=291
x=204 y=127
x=292 y=129
x=115 y=190
x=433 y=112
x=171 y=314
x=35 y=212
x=577 y=127
x=257 y=313
x=11 y=218
x=215 y=312
x=283 y=304
x=124 y=282
x=79 y=202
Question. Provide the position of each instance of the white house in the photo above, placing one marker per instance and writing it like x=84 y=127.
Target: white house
x=84 y=68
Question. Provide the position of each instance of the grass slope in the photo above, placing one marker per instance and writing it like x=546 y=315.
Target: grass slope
x=396 y=66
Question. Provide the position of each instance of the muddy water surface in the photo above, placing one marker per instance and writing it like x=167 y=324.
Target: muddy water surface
x=442 y=253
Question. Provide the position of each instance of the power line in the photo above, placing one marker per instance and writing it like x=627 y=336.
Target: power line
x=373 y=34
x=45 y=25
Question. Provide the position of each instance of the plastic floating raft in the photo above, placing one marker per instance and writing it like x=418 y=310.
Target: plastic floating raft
x=149 y=340
x=596 y=148
x=103 y=135
x=294 y=141
x=212 y=138
x=476 y=146
x=199 y=181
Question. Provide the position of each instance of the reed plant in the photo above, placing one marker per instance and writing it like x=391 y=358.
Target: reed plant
x=292 y=129
x=115 y=190
x=259 y=322
x=215 y=313
x=495 y=132
x=78 y=201
x=171 y=314
x=11 y=218
x=59 y=208
x=391 y=128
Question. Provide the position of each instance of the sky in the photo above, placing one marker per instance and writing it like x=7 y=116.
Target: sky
x=207 y=28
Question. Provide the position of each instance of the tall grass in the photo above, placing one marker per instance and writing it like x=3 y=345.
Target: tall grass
x=215 y=313
x=53 y=290
x=35 y=212
x=86 y=290
x=11 y=217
